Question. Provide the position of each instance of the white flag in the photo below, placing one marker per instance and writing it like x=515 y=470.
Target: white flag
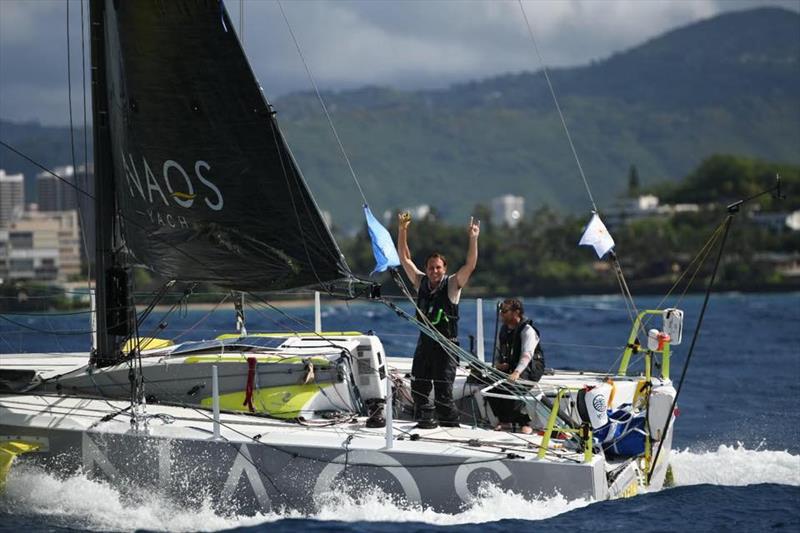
x=596 y=235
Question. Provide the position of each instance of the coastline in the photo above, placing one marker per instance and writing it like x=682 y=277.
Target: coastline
x=35 y=305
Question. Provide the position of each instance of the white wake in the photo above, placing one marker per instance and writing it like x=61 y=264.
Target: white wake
x=81 y=502
x=735 y=466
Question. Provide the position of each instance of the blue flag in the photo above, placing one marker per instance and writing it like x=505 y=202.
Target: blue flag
x=382 y=244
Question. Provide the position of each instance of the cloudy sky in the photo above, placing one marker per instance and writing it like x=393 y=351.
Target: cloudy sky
x=404 y=44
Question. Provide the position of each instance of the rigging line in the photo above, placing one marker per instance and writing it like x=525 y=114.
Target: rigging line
x=425 y=326
x=558 y=107
x=701 y=263
x=157 y=296
x=322 y=102
x=85 y=149
x=241 y=22
x=57 y=339
x=137 y=380
x=81 y=218
x=239 y=452
x=590 y=307
x=260 y=311
x=319 y=335
x=314 y=208
x=700 y=258
x=296 y=455
x=274 y=127
x=300 y=322
x=696 y=334
x=534 y=304
x=46 y=313
x=623 y=284
x=54 y=332
x=631 y=313
x=43 y=331
x=122 y=216
x=202 y=319
x=453 y=351
x=5 y=341
x=69 y=99
x=627 y=297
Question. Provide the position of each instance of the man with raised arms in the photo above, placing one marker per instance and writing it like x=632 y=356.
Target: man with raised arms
x=437 y=298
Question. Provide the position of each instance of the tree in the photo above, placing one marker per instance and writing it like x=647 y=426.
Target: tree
x=633 y=182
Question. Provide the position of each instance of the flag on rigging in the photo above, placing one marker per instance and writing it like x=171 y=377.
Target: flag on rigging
x=596 y=235
x=382 y=244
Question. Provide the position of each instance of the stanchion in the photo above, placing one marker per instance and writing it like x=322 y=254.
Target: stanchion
x=215 y=399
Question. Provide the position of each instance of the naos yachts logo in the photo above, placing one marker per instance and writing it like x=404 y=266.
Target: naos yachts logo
x=174 y=186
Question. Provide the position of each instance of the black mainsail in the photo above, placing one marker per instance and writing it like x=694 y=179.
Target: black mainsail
x=195 y=180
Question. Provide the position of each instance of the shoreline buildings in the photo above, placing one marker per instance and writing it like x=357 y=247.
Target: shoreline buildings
x=43 y=241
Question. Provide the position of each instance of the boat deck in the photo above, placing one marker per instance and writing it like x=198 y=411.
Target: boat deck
x=81 y=414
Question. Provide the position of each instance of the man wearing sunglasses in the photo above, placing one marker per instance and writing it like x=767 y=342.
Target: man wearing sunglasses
x=518 y=352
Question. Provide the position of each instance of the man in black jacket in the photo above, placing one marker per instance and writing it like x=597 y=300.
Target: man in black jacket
x=437 y=298
x=520 y=354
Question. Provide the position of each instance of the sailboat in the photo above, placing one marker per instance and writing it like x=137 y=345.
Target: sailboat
x=195 y=181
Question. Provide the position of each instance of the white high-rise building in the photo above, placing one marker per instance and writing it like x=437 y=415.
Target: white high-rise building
x=55 y=195
x=12 y=196
x=508 y=210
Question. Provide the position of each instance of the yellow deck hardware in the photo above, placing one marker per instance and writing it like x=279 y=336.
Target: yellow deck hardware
x=626 y=355
x=612 y=394
x=669 y=478
x=551 y=422
x=9 y=450
x=319 y=361
x=287 y=334
x=281 y=402
x=640 y=394
x=146 y=343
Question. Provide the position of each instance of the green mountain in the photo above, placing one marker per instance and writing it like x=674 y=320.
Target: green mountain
x=725 y=85
x=728 y=84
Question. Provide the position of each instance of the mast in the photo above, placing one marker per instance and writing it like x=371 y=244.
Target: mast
x=112 y=313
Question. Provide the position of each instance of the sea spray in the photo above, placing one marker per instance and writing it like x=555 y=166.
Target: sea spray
x=491 y=504
x=735 y=466
x=78 y=501
x=96 y=505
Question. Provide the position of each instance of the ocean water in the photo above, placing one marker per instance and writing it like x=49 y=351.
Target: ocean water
x=737 y=439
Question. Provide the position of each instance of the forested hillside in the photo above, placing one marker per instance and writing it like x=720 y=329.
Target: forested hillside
x=725 y=85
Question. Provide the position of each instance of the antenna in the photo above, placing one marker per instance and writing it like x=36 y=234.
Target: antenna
x=774 y=191
x=777 y=194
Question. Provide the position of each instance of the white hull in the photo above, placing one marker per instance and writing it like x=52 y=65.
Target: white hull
x=261 y=463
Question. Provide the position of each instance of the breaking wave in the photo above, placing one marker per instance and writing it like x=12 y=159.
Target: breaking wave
x=79 y=502
x=735 y=466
